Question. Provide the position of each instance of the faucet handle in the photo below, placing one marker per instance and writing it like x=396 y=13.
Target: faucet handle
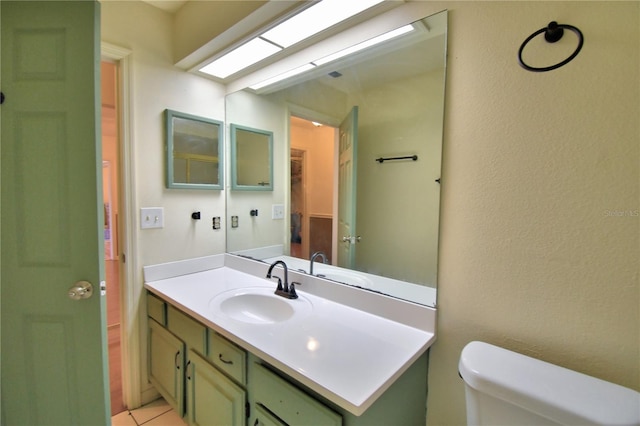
x=292 y=290
x=279 y=283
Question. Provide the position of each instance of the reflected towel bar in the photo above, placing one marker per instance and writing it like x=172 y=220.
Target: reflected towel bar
x=409 y=157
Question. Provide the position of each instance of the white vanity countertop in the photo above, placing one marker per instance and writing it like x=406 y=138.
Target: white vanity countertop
x=344 y=354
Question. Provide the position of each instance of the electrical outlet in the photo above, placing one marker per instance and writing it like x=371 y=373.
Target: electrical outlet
x=277 y=211
x=151 y=217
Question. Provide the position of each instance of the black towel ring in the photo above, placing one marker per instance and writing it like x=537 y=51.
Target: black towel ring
x=552 y=33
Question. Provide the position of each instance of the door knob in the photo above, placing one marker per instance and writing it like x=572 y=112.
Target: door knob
x=81 y=290
x=351 y=239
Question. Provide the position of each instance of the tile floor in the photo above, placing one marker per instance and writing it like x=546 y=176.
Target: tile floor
x=156 y=413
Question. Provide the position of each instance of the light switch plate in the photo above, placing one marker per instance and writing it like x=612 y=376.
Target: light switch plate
x=151 y=217
x=277 y=211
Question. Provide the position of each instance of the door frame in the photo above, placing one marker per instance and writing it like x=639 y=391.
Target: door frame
x=128 y=232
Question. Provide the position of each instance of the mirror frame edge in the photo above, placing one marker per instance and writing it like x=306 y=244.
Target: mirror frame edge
x=234 y=168
x=170 y=184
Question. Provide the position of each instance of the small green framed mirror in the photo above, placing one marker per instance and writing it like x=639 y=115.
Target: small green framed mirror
x=251 y=159
x=194 y=151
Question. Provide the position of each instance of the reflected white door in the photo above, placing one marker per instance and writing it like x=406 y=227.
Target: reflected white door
x=347 y=167
x=54 y=360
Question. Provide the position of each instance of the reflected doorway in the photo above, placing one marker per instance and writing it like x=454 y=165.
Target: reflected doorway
x=313 y=184
x=298 y=204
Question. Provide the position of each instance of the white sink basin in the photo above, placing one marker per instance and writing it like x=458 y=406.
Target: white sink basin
x=258 y=305
x=346 y=277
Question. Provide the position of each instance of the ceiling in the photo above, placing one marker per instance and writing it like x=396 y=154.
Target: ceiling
x=170 y=6
x=388 y=66
x=367 y=71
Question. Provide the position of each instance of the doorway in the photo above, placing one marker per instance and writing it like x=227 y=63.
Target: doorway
x=299 y=237
x=111 y=197
x=313 y=165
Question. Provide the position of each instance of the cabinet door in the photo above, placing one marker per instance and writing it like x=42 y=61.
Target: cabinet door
x=212 y=398
x=166 y=365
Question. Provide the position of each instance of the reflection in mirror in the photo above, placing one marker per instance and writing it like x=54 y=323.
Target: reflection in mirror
x=383 y=102
x=194 y=151
x=251 y=159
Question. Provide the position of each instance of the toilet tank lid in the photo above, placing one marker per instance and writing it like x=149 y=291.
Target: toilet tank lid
x=557 y=393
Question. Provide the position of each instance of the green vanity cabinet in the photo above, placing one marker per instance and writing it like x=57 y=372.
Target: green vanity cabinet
x=166 y=364
x=212 y=398
x=271 y=393
x=277 y=399
x=211 y=381
x=196 y=388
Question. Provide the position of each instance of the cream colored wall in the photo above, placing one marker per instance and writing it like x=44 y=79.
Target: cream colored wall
x=158 y=85
x=532 y=256
x=198 y=22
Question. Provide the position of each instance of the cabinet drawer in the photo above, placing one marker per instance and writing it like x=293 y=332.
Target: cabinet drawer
x=187 y=329
x=228 y=357
x=156 y=309
x=288 y=402
x=262 y=417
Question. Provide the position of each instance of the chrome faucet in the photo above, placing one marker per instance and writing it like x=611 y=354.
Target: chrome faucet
x=313 y=258
x=284 y=290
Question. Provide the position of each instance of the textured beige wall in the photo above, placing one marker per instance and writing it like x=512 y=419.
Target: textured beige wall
x=539 y=243
x=198 y=22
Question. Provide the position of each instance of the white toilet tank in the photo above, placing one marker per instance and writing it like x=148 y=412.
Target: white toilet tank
x=507 y=388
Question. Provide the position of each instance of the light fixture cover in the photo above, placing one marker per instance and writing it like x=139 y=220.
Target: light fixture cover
x=310 y=21
x=248 y=54
x=314 y=19
x=365 y=44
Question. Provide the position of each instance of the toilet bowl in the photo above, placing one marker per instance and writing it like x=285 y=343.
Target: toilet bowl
x=507 y=388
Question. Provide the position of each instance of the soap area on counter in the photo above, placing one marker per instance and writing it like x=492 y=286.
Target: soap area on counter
x=218 y=333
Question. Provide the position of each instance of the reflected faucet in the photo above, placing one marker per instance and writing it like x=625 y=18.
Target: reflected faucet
x=313 y=258
x=283 y=290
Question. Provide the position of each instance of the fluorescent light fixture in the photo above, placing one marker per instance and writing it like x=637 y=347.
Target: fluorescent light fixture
x=314 y=19
x=248 y=54
x=365 y=44
x=310 y=21
x=283 y=76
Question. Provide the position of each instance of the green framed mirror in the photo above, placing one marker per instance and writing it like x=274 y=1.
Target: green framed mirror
x=194 y=151
x=251 y=159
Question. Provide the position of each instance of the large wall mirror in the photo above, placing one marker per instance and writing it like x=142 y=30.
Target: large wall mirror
x=194 y=151
x=357 y=145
